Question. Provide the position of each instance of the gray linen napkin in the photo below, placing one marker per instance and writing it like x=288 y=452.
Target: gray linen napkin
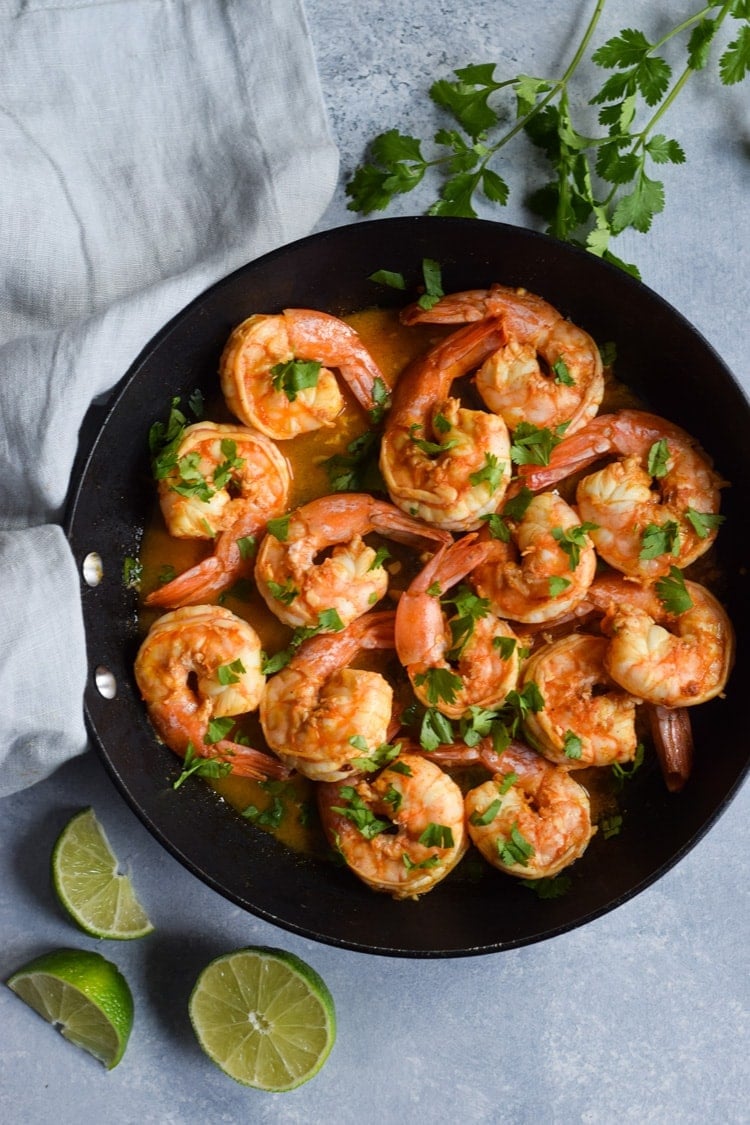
x=150 y=147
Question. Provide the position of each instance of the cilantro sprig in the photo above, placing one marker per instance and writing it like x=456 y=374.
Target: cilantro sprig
x=599 y=185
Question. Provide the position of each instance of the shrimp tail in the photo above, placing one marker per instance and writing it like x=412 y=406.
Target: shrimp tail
x=338 y=345
x=214 y=574
x=375 y=630
x=454 y=308
x=420 y=627
x=247 y=762
x=193 y=587
x=388 y=520
x=672 y=733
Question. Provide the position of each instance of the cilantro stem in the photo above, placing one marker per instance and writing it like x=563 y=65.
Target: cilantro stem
x=556 y=87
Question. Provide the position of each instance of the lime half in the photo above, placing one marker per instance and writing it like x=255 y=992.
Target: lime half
x=85 y=996
x=85 y=876
x=265 y=1017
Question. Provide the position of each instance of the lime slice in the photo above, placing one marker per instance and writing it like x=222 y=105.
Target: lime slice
x=84 y=872
x=85 y=996
x=265 y=1017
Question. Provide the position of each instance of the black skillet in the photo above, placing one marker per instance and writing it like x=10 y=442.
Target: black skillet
x=674 y=372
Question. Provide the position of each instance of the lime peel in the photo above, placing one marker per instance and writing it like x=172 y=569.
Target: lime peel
x=99 y=899
x=265 y=1017
x=84 y=996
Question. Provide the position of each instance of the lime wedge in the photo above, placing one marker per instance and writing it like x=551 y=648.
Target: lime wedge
x=84 y=872
x=84 y=996
x=265 y=1017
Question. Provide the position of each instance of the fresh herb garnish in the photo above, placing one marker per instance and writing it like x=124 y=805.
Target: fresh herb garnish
x=132 y=572
x=437 y=836
x=295 y=375
x=660 y=539
x=672 y=592
x=572 y=746
x=359 y=814
x=279 y=527
x=228 y=674
x=195 y=765
x=328 y=622
x=351 y=471
x=657 y=461
x=549 y=886
x=515 y=849
x=533 y=445
x=573 y=540
x=491 y=473
x=440 y=684
x=602 y=181
x=703 y=523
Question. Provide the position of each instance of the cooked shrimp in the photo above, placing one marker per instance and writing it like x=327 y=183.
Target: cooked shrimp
x=675 y=659
x=227 y=481
x=297 y=586
x=532 y=819
x=400 y=833
x=542 y=565
x=264 y=349
x=319 y=714
x=587 y=720
x=441 y=462
x=547 y=372
x=655 y=506
x=470 y=658
x=198 y=664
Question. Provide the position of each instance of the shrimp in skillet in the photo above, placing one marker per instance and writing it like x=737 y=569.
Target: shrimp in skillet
x=319 y=714
x=655 y=506
x=539 y=563
x=297 y=585
x=670 y=643
x=443 y=463
x=275 y=371
x=400 y=833
x=226 y=482
x=459 y=660
x=547 y=372
x=532 y=818
x=586 y=720
x=197 y=665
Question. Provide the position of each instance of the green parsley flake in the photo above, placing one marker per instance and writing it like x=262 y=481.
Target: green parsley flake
x=490 y=474
x=533 y=445
x=703 y=523
x=673 y=593
x=295 y=375
x=515 y=850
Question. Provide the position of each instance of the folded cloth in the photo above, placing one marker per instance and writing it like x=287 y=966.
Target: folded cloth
x=151 y=147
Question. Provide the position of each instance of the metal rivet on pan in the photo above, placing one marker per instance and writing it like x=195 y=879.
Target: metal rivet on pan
x=92 y=569
x=106 y=683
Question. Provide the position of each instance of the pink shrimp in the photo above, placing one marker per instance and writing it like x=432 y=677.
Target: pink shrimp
x=273 y=375
x=469 y=658
x=226 y=482
x=532 y=819
x=297 y=585
x=199 y=664
x=654 y=507
x=319 y=714
x=673 y=658
x=548 y=371
x=442 y=462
